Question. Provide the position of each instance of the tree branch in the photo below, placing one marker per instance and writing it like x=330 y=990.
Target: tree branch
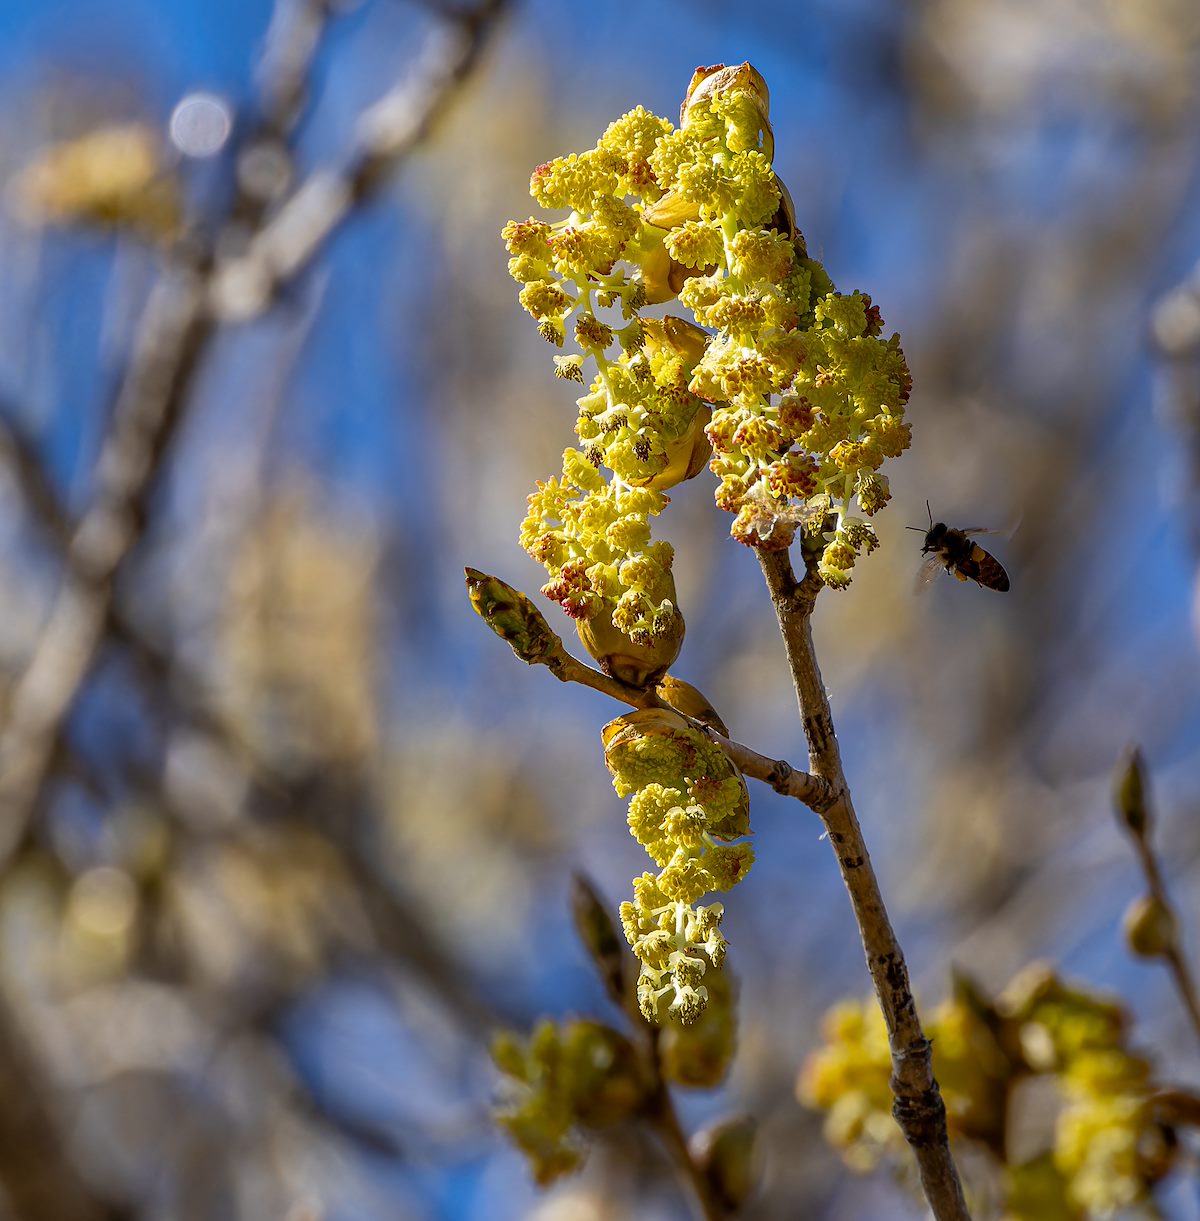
x=173 y=337
x=917 y=1106
x=387 y=133
x=173 y=334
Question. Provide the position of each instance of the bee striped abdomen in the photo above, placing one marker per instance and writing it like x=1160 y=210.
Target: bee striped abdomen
x=983 y=567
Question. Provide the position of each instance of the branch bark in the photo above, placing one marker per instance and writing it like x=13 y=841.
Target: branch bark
x=918 y=1107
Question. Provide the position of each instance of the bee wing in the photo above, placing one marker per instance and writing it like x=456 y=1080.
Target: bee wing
x=928 y=570
x=1006 y=532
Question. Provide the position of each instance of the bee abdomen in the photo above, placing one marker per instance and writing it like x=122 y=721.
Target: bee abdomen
x=984 y=568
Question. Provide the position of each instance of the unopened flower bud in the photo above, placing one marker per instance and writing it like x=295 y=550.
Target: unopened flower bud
x=691 y=702
x=512 y=616
x=639 y=663
x=1132 y=794
x=599 y=936
x=726 y=1153
x=1151 y=930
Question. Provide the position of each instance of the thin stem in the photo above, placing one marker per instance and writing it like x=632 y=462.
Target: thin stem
x=512 y=616
x=663 y=1116
x=385 y=134
x=1177 y=964
x=778 y=773
x=917 y=1106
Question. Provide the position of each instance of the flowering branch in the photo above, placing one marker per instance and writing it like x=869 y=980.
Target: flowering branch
x=792 y=394
x=512 y=616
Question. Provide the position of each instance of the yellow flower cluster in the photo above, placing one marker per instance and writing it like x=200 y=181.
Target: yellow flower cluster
x=687 y=802
x=563 y=1082
x=1108 y=1148
x=807 y=400
x=594 y=539
x=114 y=176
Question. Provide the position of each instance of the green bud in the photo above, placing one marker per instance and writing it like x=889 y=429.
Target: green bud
x=1132 y=793
x=606 y=1080
x=512 y=616
x=599 y=936
x=726 y=1153
x=1151 y=930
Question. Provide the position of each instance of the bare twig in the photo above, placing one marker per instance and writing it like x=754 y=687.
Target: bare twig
x=813 y=791
x=1177 y=964
x=174 y=331
x=917 y=1106
x=387 y=133
x=285 y=69
x=173 y=336
x=1162 y=938
x=666 y=1123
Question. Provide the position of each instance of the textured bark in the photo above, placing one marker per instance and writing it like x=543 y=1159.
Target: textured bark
x=918 y=1107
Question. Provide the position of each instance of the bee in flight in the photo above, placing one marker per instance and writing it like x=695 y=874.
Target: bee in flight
x=962 y=557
